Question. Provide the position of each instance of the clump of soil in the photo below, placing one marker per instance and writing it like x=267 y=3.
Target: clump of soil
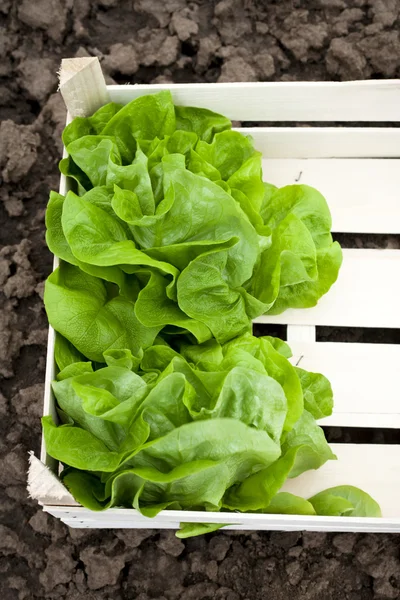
x=147 y=41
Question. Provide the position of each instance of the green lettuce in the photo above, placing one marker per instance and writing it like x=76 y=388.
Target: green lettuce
x=170 y=209
x=170 y=245
x=196 y=427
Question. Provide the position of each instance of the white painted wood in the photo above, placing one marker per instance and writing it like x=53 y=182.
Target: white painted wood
x=110 y=524
x=44 y=486
x=374 y=100
x=82 y=85
x=366 y=294
x=301 y=334
x=373 y=467
x=49 y=407
x=363 y=194
x=282 y=523
x=364 y=379
x=325 y=142
x=128 y=518
x=49 y=404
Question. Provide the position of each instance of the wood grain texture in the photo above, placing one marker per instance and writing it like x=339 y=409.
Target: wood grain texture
x=82 y=85
x=375 y=100
x=363 y=196
x=373 y=467
x=353 y=188
x=325 y=142
x=365 y=295
x=364 y=379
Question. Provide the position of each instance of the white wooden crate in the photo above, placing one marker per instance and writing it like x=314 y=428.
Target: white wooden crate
x=357 y=170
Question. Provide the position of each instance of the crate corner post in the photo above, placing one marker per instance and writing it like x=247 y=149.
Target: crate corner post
x=82 y=85
x=45 y=487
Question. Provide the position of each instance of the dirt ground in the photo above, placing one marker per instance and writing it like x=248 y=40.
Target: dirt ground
x=156 y=41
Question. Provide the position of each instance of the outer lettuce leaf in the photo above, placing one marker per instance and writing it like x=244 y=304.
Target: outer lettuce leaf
x=78 y=447
x=303 y=262
x=57 y=242
x=184 y=198
x=204 y=123
x=91 y=154
x=65 y=353
x=345 y=500
x=278 y=367
x=83 y=310
x=205 y=428
x=148 y=117
x=312 y=448
x=227 y=152
x=257 y=491
x=81 y=126
x=285 y=503
x=317 y=393
x=187 y=530
x=123 y=358
x=74 y=369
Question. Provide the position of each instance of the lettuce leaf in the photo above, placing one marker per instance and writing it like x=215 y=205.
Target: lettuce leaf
x=170 y=244
x=172 y=208
x=89 y=314
x=345 y=501
x=204 y=428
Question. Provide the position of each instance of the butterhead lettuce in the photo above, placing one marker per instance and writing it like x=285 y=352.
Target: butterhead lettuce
x=170 y=211
x=205 y=427
x=170 y=245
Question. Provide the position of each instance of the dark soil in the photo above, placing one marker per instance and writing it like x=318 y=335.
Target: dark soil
x=157 y=41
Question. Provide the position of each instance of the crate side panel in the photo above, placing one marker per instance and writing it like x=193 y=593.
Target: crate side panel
x=126 y=517
x=362 y=194
x=325 y=142
x=375 y=468
x=49 y=404
x=347 y=525
x=365 y=294
x=363 y=377
x=282 y=101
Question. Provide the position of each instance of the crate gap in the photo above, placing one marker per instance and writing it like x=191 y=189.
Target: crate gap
x=356 y=335
x=360 y=124
x=386 y=241
x=360 y=435
x=272 y=329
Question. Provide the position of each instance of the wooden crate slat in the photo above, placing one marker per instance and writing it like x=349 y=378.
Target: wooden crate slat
x=285 y=523
x=363 y=377
x=171 y=519
x=375 y=468
x=366 y=294
x=282 y=101
x=110 y=523
x=363 y=194
x=325 y=142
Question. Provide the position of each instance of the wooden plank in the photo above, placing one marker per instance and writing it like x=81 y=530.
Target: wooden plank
x=270 y=523
x=373 y=467
x=109 y=523
x=82 y=85
x=375 y=100
x=49 y=404
x=117 y=518
x=363 y=194
x=366 y=294
x=363 y=377
x=325 y=142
